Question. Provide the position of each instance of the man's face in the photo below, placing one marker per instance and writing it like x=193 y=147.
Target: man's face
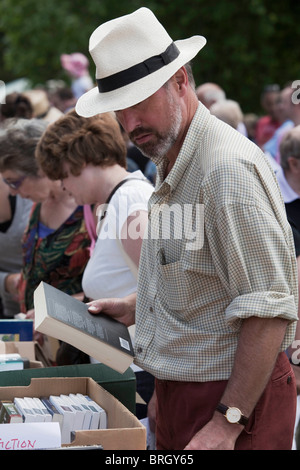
x=154 y=124
x=269 y=103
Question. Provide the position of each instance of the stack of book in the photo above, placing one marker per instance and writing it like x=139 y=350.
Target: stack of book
x=73 y=412
x=13 y=361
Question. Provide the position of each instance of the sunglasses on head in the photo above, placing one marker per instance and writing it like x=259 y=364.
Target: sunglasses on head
x=15 y=184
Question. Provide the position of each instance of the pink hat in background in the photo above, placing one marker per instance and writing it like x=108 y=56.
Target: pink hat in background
x=76 y=63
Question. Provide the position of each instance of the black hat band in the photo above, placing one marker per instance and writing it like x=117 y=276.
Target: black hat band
x=138 y=71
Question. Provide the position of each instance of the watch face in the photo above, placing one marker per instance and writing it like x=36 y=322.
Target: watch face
x=233 y=415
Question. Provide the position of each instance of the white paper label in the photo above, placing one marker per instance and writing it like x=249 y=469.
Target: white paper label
x=124 y=343
x=29 y=436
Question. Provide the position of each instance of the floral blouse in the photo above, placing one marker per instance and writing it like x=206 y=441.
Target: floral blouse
x=58 y=258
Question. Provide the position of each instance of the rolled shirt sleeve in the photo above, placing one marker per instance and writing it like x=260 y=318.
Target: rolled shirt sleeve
x=254 y=255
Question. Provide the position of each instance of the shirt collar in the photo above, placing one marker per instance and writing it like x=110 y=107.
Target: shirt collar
x=191 y=142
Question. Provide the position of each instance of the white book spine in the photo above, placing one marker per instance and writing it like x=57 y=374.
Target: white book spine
x=87 y=412
x=27 y=413
x=103 y=415
x=95 y=413
x=39 y=404
x=68 y=418
x=39 y=417
x=79 y=413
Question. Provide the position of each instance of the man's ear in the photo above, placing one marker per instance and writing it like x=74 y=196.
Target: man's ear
x=181 y=79
x=294 y=164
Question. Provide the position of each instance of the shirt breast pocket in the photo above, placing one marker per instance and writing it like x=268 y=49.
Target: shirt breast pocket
x=186 y=285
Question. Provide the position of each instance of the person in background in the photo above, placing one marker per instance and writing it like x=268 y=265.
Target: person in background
x=63 y=99
x=42 y=108
x=56 y=242
x=89 y=157
x=16 y=105
x=290 y=110
x=77 y=67
x=14 y=216
x=250 y=121
x=214 y=98
x=228 y=111
x=284 y=112
x=215 y=314
x=288 y=176
x=210 y=93
x=267 y=125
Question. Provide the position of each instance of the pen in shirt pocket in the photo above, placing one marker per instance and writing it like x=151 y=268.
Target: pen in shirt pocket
x=161 y=256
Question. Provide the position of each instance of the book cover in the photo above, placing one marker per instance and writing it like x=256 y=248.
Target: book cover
x=16 y=330
x=63 y=317
x=9 y=413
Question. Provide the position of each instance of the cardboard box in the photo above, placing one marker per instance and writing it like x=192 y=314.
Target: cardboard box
x=121 y=386
x=124 y=431
x=24 y=348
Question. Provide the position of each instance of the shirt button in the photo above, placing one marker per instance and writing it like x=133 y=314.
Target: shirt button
x=139 y=350
x=151 y=309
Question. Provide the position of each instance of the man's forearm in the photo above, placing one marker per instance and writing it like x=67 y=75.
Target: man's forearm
x=258 y=348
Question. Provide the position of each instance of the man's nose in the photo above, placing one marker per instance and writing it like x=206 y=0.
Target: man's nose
x=129 y=119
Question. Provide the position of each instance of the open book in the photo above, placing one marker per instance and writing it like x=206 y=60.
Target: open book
x=63 y=317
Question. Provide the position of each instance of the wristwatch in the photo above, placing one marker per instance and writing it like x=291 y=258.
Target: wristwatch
x=232 y=414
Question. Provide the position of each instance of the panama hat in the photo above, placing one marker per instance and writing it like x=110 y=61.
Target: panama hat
x=134 y=57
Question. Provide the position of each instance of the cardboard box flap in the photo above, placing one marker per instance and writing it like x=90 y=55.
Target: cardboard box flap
x=45 y=386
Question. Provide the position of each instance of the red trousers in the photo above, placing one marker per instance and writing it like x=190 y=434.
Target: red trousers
x=183 y=408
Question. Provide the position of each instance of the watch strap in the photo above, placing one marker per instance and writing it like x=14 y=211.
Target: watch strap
x=223 y=409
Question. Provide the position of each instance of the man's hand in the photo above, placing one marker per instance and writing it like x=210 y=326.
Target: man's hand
x=217 y=434
x=122 y=310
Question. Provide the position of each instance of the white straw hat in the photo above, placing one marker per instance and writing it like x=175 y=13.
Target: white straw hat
x=134 y=57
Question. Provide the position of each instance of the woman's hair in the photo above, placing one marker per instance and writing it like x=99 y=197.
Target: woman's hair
x=18 y=141
x=290 y=147
x=76 y=141
x=16 y=106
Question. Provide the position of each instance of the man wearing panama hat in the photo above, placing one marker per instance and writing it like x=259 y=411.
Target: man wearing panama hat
x=216 y=302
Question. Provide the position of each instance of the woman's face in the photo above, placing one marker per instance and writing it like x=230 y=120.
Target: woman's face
x=28 y=187
x=81 y=187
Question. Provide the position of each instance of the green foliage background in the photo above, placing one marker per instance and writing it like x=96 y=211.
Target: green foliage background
x=250 y=43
